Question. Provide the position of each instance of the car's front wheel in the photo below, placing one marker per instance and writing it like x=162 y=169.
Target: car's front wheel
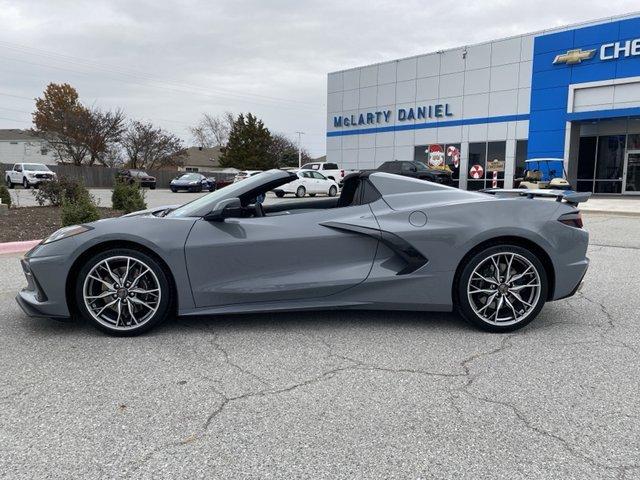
x=502 y=288
x=25 y=183
x=9 y=182
x=333 y=191
x=123 y=292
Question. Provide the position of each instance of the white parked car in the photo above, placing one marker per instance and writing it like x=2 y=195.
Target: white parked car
x=28 y=175
x=309 y=182
x=245 y=174
x=328 y=169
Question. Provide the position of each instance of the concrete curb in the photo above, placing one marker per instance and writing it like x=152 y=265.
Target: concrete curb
x=17 y=247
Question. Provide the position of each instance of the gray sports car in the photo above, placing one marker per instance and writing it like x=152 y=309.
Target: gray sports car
x=388 y=242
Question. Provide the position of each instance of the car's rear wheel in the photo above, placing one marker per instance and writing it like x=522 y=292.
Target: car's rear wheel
x=301 y=192
x=502 y=288
x=123 y=292
x=279 y=194
x=333 y=191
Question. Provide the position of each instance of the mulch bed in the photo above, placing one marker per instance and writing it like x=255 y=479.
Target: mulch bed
x=33 y=223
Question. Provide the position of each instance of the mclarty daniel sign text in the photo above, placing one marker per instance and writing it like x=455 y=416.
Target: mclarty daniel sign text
x=426 y=112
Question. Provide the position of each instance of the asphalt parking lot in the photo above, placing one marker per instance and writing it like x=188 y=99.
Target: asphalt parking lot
x=334 y=394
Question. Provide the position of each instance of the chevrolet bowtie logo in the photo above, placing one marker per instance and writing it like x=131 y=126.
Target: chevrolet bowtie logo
x=574 y=56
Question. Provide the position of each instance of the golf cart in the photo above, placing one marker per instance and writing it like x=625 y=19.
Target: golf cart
x=544 y=173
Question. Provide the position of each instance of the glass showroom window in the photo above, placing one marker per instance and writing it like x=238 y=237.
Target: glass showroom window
x=521 y=156
x=496 y=152
x=477 y=158
x=451 y=153
x=480 y=154
x=609 y=164
x=586 y=163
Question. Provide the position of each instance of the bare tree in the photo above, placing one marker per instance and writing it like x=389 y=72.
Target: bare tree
x=149 y=147
x=212 y=131
x=105 y=129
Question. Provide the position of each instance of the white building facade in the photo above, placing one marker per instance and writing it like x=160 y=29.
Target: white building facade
x=571 y=93
x=20 y=146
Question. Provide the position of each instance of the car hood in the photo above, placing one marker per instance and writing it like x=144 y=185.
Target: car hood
x=151 y=211
x=184 y=182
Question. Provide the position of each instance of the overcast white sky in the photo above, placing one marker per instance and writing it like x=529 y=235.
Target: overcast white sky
x=168 y=62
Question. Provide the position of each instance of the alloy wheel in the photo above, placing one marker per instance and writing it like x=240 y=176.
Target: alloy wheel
x=504 y=288
x=121 y=293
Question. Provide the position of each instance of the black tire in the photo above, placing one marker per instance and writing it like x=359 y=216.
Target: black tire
x=461 y=298
x=333 y=191
x=301 y=191
x=25 y=183
x=312 y=194
x=152 y=187
x=174 y=190
x=199 y=189
x=9 y=183
x=279 y=194
x=165 y=306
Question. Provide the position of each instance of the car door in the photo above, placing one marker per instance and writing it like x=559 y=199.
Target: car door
x=322 y=183
x=16 y=173
x=308 y=181
x=280 y=257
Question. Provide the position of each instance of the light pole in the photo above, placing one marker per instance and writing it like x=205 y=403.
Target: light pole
x=300 y=149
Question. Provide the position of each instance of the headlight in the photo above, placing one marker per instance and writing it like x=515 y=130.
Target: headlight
x=29 y=174
x=194 y=183
x=66 y=232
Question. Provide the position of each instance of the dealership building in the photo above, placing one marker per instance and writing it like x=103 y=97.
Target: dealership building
x=482 y=110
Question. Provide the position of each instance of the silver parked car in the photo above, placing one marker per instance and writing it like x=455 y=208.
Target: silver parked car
x=396 y=243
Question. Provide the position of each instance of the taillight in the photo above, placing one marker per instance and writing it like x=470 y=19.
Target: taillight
x=572 y=219
x=342 y=173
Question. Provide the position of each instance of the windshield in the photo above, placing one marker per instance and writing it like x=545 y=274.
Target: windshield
x=189 y=176
x=205 y=204
x=420 y=166
x=139 y=173
x=34 y=167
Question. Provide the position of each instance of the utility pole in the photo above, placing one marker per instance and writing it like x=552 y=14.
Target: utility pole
x=300 y=149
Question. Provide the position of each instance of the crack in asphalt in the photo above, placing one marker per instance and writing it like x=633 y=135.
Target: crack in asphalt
x=505 y=345
x=628 y=247
x=354 y=364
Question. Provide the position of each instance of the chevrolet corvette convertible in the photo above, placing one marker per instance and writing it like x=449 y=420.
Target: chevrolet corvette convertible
x=386 y=243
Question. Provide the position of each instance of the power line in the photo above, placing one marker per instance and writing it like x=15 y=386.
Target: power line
x=136 y=75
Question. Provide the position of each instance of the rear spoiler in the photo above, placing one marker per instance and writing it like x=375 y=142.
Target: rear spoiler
x=569 y=196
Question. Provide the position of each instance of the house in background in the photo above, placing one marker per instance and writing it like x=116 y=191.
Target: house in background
x=21 y=146
x=201 y=159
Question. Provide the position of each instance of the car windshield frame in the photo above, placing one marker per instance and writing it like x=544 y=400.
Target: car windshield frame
x=25 y=167
x=262 y=181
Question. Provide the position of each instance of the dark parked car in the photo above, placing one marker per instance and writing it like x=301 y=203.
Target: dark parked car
x=193 y=182
x=131 y=176
x=417 y=170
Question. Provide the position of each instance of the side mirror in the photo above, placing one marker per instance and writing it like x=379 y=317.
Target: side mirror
x=231 y=207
